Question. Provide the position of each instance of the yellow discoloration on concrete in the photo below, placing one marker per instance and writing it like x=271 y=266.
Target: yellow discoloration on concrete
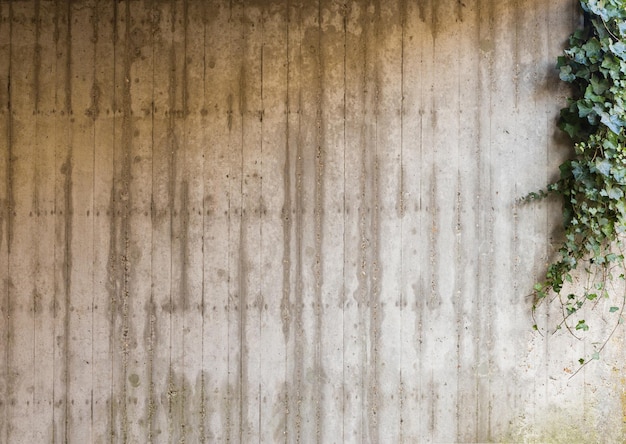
x=284 y=220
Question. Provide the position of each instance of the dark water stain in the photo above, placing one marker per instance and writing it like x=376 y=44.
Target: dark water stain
x=36 y=295
x=180 y=392
x=460 y=7
x=184 y=247
x=375 y=322
x=242 y=272
x=150 y=340
x=226 y=408
x=68 y=63
x=115 y=268
x=287 y=223
x=114 y=289
x=138 y=40
x=281 y=429
x=263 y=4
x=185 y=91
x=230 y=111
x=439 y=18
x=56 y=19
x=36 y=203
x=94 y=109
x=440 y=15
x=8 y=220
x=37 y=56
x=119 y=264
x=95 y=23
x=434 y=299
x=242 y=102
x=421 y=5
x=66 y=171
x=370 y=221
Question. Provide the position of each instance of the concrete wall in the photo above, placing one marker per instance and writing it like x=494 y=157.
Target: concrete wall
x=285 y=221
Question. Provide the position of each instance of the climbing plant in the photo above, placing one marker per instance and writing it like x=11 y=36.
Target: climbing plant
x=592 y=182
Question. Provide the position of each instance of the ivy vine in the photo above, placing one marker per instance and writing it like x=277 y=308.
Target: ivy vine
x=592 y=183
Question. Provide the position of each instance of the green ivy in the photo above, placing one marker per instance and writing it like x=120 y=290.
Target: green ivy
x=593 y=182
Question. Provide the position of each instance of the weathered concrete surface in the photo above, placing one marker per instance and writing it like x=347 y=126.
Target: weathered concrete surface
x=285 y=221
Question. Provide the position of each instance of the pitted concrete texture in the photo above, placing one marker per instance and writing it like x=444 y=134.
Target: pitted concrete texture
x=286 y=221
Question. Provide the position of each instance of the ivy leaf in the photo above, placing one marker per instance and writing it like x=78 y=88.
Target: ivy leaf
x=593 y=50
x=538 y=287
x=615 y=193
x=571 y=130
x=613 y=122
x=592 y=182
x=566 y=74
x=582 y=325
x=619 y=49
x=603 y=166
x=599 y=86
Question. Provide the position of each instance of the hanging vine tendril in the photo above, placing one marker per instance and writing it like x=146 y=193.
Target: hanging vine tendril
x=592 y=183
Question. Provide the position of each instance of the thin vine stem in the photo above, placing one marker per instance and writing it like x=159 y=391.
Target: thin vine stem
x=592 y=182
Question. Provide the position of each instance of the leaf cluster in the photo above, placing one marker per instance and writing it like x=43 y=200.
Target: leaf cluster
x=593 y=182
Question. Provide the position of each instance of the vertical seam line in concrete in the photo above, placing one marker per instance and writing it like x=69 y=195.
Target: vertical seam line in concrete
x=171 y=142
x=9 y=225
x=458 y=278
x=203 y=204
x=37 y=66
x=261 y=219
x=10 y=159
x=127 y=213
x=37 y=56
x=420 y=293
x=229 y=391
x=54 y=211
x=514 y=205
x=287 y=223
x=67 y=259
x=363 y=290
x=152 y=310
x=113 y=222
x=344 y=249
x=546 y=253
x=535 y=217
x=403 y=13
x=374 y=231
x=491 y=233
x=298 y=333
x=93 y=209
x=479 y=222
x=242 y=288
x=184 y=219
x=318 y=227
